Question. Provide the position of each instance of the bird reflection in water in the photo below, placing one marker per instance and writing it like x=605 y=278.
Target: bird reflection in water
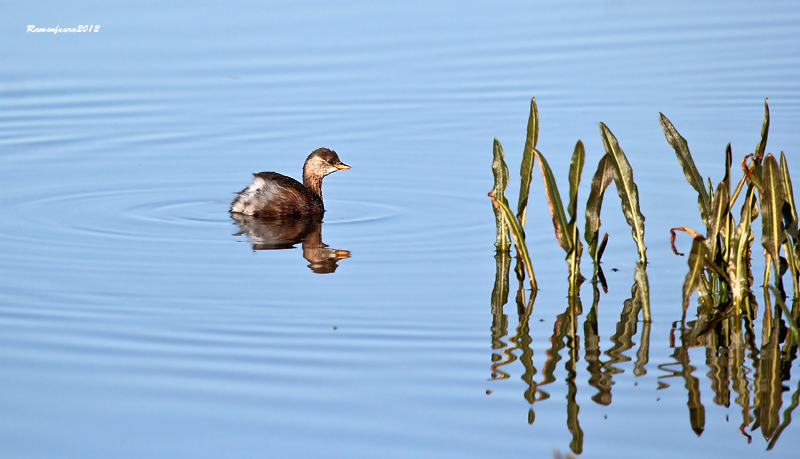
x=286 y=232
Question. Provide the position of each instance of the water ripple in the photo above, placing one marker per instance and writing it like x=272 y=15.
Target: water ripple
x=187 y=212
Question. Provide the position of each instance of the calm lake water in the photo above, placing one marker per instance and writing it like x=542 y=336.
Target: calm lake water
x=137 y=320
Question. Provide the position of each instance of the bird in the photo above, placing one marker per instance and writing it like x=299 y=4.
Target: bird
x=273 y=195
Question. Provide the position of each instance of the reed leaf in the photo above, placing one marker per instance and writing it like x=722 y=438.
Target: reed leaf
x=575 y=171
x=626 y=188
x=736 y=192
x=574 y=254
x=726 y=227
x=718 y=220
x=752 y=171
x=681 y=148
x=761 y=148
x=696 y=236
x=673 y=235
x=792 y=244
x=773 y=233
x=726 y=179
x=554 y=203
x=710 y=187
x=519 y=237
x=500 y=171
x=602 y=247
x=602 y=178
x=574 y=263
x=790 y=217
x=526 y=167
x=697 y=263
x=739 y=259
x=643 y=289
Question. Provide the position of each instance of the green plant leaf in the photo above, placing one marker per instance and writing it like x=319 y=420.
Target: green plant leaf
x=526 y=166
x=642 y=289
x=773 y=233
x=576 y=249
x=727 y=225
x=726 y=179
x=736 y=192
x=519 y=237
x=697 y=262
x=761 y=148
x=574 y=264
x=554 y=203
x=500 y=171
x=602 y=247
x=792 y=244
x=718 y=221
x=687 y=163
x=600 y=181
x=626 y=188
x=790 y=220
x=575 y=171
x=752 y=171
x=739 y=275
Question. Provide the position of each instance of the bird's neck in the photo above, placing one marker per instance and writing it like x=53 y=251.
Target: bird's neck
x=313 y=183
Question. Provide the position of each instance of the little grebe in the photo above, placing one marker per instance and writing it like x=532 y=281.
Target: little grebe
x=273 y=195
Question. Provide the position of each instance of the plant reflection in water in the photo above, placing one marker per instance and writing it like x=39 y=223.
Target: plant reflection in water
x=285 y=233
x=756 y=372
x=565 y=335
x=741 y=369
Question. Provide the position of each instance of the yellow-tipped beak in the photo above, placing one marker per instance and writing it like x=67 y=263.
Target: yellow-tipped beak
x=341 y=166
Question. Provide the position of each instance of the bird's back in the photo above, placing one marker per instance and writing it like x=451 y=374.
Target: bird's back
x=272 y=194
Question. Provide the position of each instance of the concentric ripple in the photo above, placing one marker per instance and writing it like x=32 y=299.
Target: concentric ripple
x=195 y=212
x=153 y=212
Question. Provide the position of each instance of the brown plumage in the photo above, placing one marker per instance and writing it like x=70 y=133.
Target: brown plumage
x=273 y=195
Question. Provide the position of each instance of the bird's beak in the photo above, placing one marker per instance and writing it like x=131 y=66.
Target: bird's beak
x=341 y=166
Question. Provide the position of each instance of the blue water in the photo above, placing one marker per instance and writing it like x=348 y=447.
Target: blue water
x=135 y=321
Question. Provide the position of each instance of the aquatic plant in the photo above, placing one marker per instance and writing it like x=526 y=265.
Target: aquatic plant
x=505 y=218
x=744 y=371
x=720 y=269
x=613 y=166
x=720 y=261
